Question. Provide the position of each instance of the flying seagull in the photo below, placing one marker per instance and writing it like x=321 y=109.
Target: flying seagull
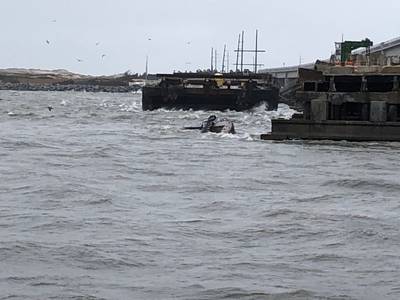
x=149 y=39
x=50 y=108
x=103 y=56
x=48 y=42
x=79 y=60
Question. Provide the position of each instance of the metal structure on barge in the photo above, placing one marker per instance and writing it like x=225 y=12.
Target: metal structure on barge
x=210 y=90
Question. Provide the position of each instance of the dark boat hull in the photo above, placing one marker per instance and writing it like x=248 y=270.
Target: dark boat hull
x=178 y=97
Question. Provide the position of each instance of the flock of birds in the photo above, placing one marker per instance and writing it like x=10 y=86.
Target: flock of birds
x=79 y=59
x=97 y=44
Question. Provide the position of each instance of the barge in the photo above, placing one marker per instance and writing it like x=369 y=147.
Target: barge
x=210 y=91
x=345 y=105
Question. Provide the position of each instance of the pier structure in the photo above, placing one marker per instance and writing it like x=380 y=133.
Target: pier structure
x=286 y=76
x=355 y=107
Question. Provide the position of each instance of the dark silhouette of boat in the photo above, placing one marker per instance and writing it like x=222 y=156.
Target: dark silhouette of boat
x=207 y=91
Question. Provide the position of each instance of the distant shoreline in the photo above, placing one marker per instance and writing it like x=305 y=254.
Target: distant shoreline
x=62 y=80
x=69 y=87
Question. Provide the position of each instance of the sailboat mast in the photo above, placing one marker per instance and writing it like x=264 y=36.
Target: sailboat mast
x=237 y=55
x=216 y=61
x=223 y=60
x=227 y=62
x=255 y=59
x=212 y=60
x=147 y=66
x=241 y=59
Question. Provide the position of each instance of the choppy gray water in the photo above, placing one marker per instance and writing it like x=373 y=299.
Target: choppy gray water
x=99 y=200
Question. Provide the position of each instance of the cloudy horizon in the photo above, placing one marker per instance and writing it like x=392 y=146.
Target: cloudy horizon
x=108 y=37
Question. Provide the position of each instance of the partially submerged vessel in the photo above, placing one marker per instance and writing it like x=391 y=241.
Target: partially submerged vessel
x=209 y=91
x=215 y=125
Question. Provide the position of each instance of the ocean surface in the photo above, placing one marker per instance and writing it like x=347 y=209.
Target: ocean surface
x=100 y=200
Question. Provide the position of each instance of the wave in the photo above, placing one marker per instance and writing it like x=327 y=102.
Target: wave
x=325 y=257
x=237 y=293
x=14 y=114
x=95 y=257
x=317 y=198
x=122 y=117
x=278 y=212
x=100 y=201
x=373 y=184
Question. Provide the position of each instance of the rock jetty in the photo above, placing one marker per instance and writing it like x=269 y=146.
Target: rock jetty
x=62 y=80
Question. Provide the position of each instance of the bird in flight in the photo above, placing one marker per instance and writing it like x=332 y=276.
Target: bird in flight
x=50 y=108
x=149 y=39
x=97 y=43
x=48 y=42
x=103 y=56
x=79 y=60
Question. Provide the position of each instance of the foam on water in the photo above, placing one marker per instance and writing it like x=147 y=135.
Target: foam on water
x=100 y=200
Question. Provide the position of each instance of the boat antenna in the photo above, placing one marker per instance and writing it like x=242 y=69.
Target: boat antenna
x=237 y=55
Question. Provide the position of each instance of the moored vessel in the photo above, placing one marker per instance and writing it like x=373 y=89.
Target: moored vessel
x=207 y=91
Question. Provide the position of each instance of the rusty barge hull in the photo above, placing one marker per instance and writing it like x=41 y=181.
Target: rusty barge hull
x=199 y=92
x=200 y=99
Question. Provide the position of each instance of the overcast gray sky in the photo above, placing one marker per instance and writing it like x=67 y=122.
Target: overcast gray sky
x=178 y=34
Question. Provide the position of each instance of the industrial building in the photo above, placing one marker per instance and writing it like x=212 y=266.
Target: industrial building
x=385 y=53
